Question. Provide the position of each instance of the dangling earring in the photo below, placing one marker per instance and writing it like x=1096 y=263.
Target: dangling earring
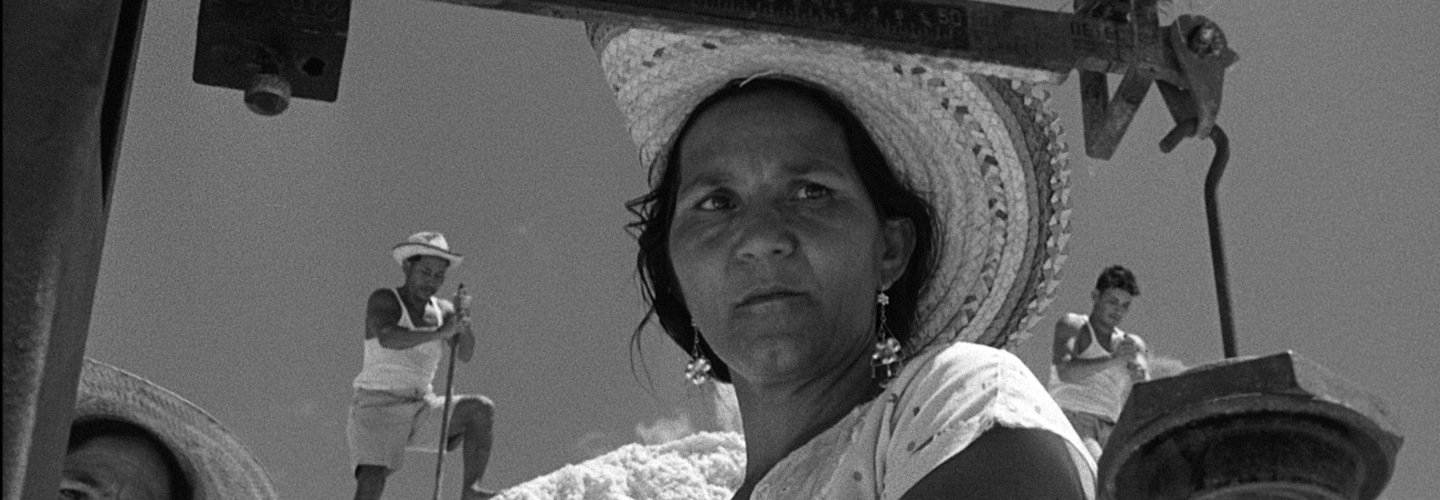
x=698 y=369
x=886 y=359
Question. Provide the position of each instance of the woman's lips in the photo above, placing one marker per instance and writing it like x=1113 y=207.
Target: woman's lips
x=767 y=296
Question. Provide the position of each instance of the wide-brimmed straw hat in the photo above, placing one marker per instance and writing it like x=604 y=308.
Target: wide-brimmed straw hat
x=426 y=243
x=974 y=139
x=218 y=466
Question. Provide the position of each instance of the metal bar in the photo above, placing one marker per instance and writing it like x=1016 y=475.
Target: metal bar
x=1212 y=219
x=977 y=31
x=1217 y=245
x=303 y=43
x=1106 y=119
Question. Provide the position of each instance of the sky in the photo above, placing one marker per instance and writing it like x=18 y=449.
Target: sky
x=240 y=249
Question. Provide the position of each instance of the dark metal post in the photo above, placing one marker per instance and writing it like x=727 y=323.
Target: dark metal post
x=1217 y=245
x=1212 y=218
x=68 y=66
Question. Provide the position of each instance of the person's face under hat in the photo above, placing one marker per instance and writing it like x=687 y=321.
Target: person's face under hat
x=115 y=467
x=425 y=275
x=776 y=245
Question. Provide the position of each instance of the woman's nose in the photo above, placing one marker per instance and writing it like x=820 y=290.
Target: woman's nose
x=764 y=233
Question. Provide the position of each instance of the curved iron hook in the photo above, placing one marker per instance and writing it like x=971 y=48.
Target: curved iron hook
x=1212 y=219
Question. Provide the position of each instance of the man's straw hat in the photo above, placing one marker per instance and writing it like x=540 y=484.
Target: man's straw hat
x=426 y=243
x=974 y=139
x=217 y=465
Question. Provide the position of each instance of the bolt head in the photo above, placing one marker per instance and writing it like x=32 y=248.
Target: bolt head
x=1207 y=40
x=268 y=94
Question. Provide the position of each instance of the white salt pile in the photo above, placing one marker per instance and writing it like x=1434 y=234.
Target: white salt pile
x=707 y=465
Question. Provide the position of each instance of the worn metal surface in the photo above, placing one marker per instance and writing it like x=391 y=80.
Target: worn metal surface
x=1195 y=48
x=1101 y=37
x=276 y=49
x=1200 y=51
x=978 y=31
x=1106 y=118
x=302 y=42
x=1271 y=425
x=261 y=45
x=67 y=77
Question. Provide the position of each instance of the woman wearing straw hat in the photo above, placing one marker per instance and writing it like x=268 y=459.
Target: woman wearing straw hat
x=134 y=440
x=395 y=407
x=835 y=230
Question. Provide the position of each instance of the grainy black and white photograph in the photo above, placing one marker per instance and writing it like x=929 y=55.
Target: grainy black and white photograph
x=715 y=249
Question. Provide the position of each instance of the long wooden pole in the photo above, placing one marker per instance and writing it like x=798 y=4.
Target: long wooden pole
x=445 y=424
x=463 y=297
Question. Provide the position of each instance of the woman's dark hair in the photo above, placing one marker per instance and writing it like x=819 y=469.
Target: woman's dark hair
x=82 y=431
x=892 y=200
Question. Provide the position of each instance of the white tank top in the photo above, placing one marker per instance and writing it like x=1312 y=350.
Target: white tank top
x=1102 y=393
x=403 y=370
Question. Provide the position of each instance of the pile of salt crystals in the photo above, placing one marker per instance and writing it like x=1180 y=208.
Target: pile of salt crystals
x=702 y=466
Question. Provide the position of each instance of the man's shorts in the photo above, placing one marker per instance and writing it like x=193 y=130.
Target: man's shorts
x=1094 y=430
x=383 y=425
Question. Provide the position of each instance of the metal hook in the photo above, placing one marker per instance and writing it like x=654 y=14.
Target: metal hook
x=1212 y=219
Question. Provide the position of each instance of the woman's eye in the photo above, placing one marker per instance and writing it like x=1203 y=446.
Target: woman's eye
x=714 y=202
x=812 y=191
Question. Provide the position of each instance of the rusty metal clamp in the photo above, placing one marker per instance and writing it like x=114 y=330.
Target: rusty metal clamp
x=1200 y=51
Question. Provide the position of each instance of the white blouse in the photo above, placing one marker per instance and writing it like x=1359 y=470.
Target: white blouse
x=938 y=404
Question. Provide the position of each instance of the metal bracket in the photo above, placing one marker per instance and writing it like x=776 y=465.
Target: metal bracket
x=973 y=30
x=1200 y=50
x=272 y=49
x=275 y=49
x=1193 y=45
x=1186 y=59
x=1106 y=118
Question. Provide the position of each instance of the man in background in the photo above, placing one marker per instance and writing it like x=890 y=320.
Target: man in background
x=1095 y=363
x=395 y=407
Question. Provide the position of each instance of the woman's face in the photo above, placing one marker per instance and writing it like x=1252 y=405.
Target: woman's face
x=776 y=245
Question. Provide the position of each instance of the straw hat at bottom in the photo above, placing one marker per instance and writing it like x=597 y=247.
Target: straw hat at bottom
x=975 y=140
x=218 y=466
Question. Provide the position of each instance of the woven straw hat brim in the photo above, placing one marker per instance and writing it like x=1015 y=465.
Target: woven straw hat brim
x=982 y=149
x=218 y=465
x=407 y=250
